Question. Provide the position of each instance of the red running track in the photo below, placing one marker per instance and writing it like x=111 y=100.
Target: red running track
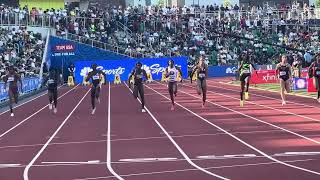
x=262 y=140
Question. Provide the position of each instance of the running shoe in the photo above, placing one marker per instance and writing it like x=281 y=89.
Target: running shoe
x=241 y=103
x=55 y=110
x=143 y=110
x=246 y=95
x=11 y=114
x=283 y=103
x=93 y=111
x=319 y=100
x=99 y=100
x=172 y=108
x=50 y=106
x=202 y=105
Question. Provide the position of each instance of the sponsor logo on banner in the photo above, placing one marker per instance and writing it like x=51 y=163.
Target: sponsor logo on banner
x=63 y=50
x=231 y=70
x=299 y=83
x=28 y=85
x=264 y=77
x=154 y=66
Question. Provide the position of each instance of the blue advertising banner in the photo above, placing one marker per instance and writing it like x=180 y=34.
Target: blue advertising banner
x=222 y=71
x=300 y=83
x=28 y=85
x=124 y=67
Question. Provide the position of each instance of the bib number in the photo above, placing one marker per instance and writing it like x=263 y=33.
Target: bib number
x=95 y=77
x=201 y=75
x=10 y=79
x=50 y=81
x=246 y=71
x=283 y=73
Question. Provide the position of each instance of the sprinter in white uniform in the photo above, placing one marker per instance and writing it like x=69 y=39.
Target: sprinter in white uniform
x=172 y=75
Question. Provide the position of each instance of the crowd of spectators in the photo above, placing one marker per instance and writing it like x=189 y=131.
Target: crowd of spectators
x=21 y=48
x=220 y=34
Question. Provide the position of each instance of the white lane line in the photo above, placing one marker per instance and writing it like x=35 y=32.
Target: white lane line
x=30 y=100
x=9 y=165
x=148 y=160
x=268 y=97
x=9 y=130
x=178 y=147
x=232 y=135
x=72 y=162
x=185 y=170
x=26 y=170
x=109 y=138
x=251 y=117
x=276 y=109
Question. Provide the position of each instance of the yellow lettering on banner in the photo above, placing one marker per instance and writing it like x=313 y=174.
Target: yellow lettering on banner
x=149 y=76
x=117 y=79
x=70 y=81
x=194 y=77
x=163 y=78
x=84 y=82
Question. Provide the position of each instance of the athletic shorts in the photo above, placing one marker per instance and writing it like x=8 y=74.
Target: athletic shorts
x=244 y=76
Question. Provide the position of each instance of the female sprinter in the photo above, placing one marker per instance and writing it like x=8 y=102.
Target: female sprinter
x=12 y=78
x=283 y=71
x=95 y=76
x=138 y=73
x=171 y=73
x=315 y=70
x=245 y=70
x=202 y=73
x=53 y=81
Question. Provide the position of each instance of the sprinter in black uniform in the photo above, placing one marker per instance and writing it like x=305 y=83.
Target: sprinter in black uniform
x=202 y=73
x=245 y=70
x=12 y=78
x=283 y=71
x=53 y=81
x=138 y=73
x=315 y=70
x=95 y=76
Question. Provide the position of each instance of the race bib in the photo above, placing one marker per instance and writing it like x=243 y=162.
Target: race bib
x=202 y=75
x=95 y=77
x=246 y=71
x=50 y=81
x=10 y=79
x=139 y=76
x=283 y=73
x=318 y=72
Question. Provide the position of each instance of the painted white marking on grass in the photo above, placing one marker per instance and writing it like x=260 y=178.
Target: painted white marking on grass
x=185 y=170
x=30 y=100
x=26 y=170
x=72 y=162
x=9 y=130
x=268 y=97
x=109 y=138
x=178 y=147
x=276 y=109
x=147 y=159
x=251 y=117
x=235 y=137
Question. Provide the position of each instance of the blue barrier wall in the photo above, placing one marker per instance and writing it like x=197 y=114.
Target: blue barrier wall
x=28 y=85
x=123 y=67
x=62 y=53
x=222 y=71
